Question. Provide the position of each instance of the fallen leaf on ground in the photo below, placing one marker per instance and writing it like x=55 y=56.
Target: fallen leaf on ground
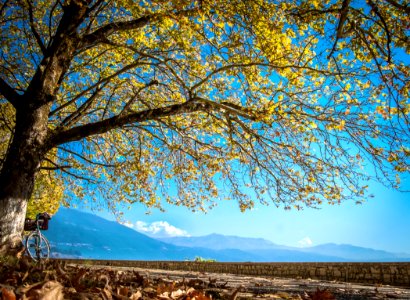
x=7 y=294
x=50 y=290
x=322 y=295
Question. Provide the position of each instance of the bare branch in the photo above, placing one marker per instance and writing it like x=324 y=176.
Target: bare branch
x=94 y=11
x=9 y=93
x=64 y=169
x=3 y=7
x=71 y=119
x=50 y=22
x=133 y=99
x=102 y=81
x=85 y=159
x=33 y=28
x=55 y=168
x=386 y=28
x=226 y=68
x=262 y=64
x=92 y=8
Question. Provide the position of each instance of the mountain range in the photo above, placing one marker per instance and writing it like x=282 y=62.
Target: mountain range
x=335 y=252
x=76 y=234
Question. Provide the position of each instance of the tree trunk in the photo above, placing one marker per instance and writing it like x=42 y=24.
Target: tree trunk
x=29 y=142
x=18 y=173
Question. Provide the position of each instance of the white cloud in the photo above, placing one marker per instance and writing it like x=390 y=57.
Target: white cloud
x=157 y=229
x=128 y=224
x=305 y=242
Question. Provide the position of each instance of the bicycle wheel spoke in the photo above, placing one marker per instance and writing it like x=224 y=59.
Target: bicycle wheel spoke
x=37 y=246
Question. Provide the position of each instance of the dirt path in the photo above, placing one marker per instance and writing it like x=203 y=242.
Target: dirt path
x=248 y=287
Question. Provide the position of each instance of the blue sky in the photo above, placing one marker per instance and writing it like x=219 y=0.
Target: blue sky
x=383 y=222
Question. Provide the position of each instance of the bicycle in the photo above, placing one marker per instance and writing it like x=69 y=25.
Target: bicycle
x=37 y=245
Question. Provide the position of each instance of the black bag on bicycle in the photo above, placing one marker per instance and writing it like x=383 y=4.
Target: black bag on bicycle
x=43 y=220
x=29 y=224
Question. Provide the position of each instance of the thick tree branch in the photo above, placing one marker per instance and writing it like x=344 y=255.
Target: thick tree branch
x=83 y=131
x=339 y=31
x=57 y=59
x=343 y=17
x=301 y=14
x=406 y=7
x=9 y=93
x=100 y=35
x=229 y=107
x=386 y=28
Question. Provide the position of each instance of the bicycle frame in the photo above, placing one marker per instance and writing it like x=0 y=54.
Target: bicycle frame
x=37 y=245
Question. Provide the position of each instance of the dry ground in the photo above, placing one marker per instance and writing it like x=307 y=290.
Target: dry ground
x=56 y=280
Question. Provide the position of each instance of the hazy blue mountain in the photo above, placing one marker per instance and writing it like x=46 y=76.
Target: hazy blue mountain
x=355 y=253
x=219 y=241
x=330 y=252
x=77 y=234
x=264 y=249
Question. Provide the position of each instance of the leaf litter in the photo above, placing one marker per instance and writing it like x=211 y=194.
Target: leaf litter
x=56 y=280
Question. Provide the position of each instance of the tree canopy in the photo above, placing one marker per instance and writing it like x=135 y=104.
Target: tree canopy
x=293 y=103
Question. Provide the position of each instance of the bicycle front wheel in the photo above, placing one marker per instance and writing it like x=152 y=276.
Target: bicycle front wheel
x=37 y=246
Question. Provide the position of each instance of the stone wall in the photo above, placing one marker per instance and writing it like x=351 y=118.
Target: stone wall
x=397 y=274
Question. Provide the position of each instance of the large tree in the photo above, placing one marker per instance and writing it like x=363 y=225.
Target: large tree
x=184 y=101
x=48 y=189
